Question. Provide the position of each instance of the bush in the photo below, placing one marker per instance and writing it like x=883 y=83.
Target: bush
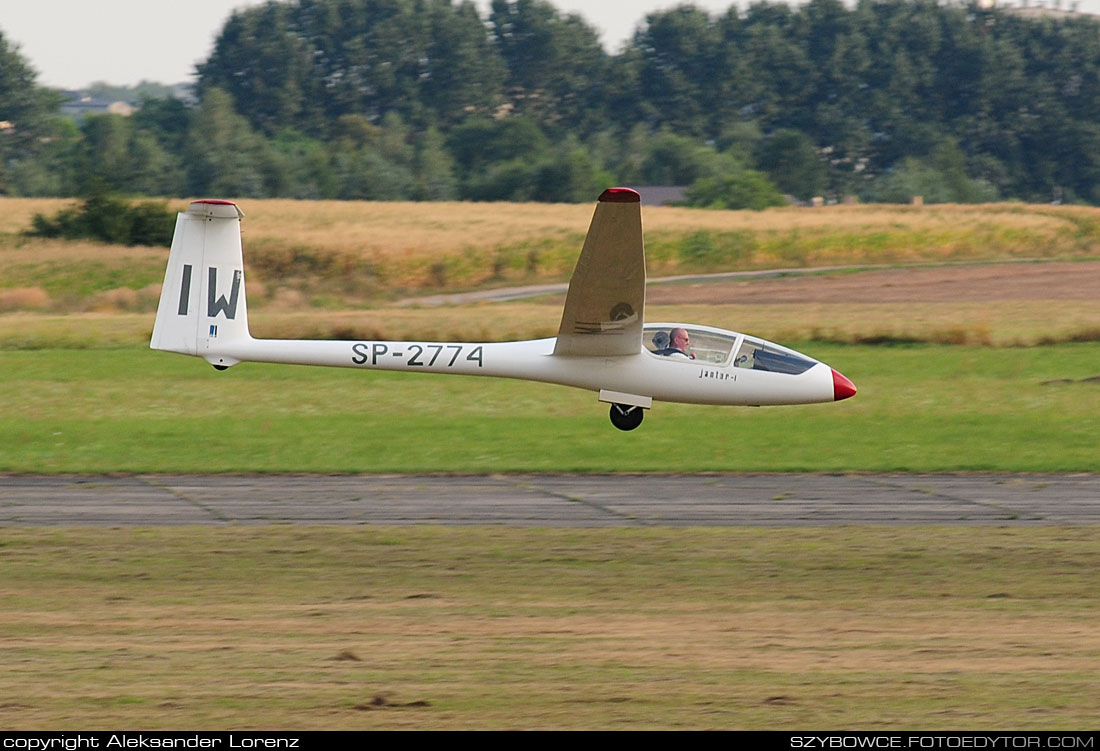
x=741 y=189
x=110 y=219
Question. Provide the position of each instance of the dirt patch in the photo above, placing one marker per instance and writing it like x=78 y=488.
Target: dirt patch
x=985 y=283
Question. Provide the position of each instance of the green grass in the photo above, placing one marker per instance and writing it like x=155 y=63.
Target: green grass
x=922 y=408
x=502 y=628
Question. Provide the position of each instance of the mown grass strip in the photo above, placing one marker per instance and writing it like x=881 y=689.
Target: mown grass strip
x=923 y=408
x=503 y=628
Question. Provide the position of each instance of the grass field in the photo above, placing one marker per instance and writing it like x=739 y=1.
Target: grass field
x=303 y=255
x=920 y=408
x=492 y=628
x=443 y=628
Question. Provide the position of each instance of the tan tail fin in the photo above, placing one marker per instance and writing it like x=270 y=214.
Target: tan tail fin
x=605 y=307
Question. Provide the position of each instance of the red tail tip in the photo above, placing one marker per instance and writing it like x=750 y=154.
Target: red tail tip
x=620 y=195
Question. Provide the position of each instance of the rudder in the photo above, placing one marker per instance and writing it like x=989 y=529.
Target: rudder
x=202 y=306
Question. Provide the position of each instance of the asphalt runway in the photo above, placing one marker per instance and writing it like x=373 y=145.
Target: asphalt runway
x=553 y=500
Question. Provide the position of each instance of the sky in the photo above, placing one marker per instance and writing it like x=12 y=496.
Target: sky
x=71 y=43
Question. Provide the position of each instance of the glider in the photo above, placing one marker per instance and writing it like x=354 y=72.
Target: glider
x=603 y=342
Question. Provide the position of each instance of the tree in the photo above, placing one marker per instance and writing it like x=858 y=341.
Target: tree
x=941 y=178
x=435 y=169
x=460 y=72
x=514 y=180
x=671 y=159
x=303 y=168
x=153 y=170
x=304 y=64
x=262 y=61
x=777 y=58
x=479 y=143
x=791 y=160
x=555 y=64
x=164 y=119
x=225 y=156
x=106 y=150
x=427 y=99
x=680 y=53
x=26 y=112
x=50 y=168
x=373 y=163
x=572 y=176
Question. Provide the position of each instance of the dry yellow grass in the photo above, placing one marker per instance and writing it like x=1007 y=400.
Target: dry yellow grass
x=60 y=255
x=402 y=229
x=81 y=275
x=999 y=324
x=16 y=213
x=24 y=298
x=333 y=254
x=411 y=237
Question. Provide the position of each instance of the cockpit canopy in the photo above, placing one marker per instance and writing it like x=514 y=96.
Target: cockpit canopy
x=716 y=346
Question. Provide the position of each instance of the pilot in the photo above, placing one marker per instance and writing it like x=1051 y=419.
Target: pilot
x=679 y=342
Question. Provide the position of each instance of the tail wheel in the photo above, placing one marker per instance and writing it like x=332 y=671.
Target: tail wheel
x=626 y=416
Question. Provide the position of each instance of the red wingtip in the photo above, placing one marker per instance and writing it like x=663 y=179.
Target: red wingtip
x=620 y=195
x=842 y=387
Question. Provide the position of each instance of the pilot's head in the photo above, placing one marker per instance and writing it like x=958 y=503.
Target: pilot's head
x=680 y=340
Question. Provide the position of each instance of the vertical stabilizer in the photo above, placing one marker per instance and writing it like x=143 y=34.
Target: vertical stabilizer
x=202 y=304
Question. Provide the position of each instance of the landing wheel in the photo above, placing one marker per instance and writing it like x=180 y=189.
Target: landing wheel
x=626 y=417
x=221 y=367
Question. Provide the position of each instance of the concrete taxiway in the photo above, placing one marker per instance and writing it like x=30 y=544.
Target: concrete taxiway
x=553 y=500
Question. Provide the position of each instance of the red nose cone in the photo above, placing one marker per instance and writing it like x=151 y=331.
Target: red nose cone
x=842 y=387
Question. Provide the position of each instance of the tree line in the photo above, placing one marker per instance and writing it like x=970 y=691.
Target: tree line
x=429 y=100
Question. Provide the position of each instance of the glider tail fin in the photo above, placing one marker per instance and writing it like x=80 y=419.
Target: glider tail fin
x=202 y=307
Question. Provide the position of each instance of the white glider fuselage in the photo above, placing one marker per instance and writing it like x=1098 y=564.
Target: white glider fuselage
x=659 y=378
x=603 y=343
